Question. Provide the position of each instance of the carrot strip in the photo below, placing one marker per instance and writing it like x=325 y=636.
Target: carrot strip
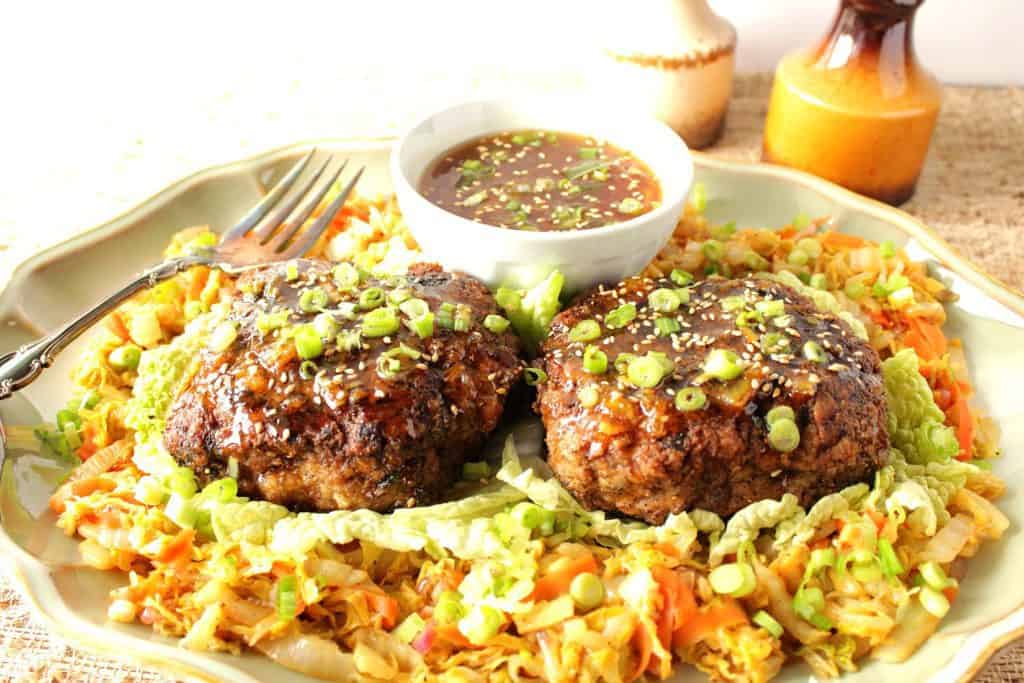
x=556 y=583
x=726 y=612
x=964 y=428
x=78 y=489
x=199 y=276
x=839 y=240
x=641 y=640
x=115 y=323
x=385 y=606
x=179 y=549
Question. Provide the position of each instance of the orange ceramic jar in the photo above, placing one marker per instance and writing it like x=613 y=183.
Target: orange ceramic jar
x=857 y=109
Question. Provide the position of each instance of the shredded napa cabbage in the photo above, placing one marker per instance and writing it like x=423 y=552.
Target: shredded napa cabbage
x=915 y=423
x=531 y=310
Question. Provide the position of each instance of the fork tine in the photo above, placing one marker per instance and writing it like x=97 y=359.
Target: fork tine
x=296 y=221
x=279 y=215
x=306 y=241
x=260 y=210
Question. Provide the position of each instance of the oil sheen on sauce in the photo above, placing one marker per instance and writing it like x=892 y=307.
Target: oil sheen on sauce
x=541 y=180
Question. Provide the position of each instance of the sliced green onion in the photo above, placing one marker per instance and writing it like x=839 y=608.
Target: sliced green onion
x=414 y=308
x=463 y=318
x=68 y=418
x=819 y=281
x=286 y=597
x=770 y=308
x=723 y=364
x=527 y=515
x=622 y=362
x=89 y=400
x=934 y=602
x=723 y=232
x=821 y=558
x=855 y=289
x=587 y=591
x=496 y=323
x=308 y=369
x=631 y=206
x=681 y=277
x=749 y=319
x=733 y=579
x=481 y=624
x=588 y=152
x=890 y=563
x=779 y=413
x=713 y=250
x=588 y=396
x=307 y=342
x=380 y=322
x=222 y=337
x=664 y=300
x=346 y=276
x=798 y=257
x=783 y=321
x=768 y=623
x=312 y=300
x=774 y=342
x=422 y=326
x=125 y=357
x=814 y=353
x=449 y=608
x=475 y=471
x=981 y=464
x=934 y=576
x=595 y=361
x=534 y=376
x=181 y=481
x=755 y=261
x=513 y=205
x=699 y=197
x=665 y=327
x=689 y=399
x=291 y=271
x=350 y=341
x=808 y=601
x=326 y=325
x=265 y=322
x=801 y=221
x=783 y=435
x=584 y=331
x=410 y=627
x=475 y=199
x=887 y=249
x=867 y=572
x=621 y=316
x=371 y=298
x=398 y=295
x=645 y=371
x=902 y=297
x=731 y=304
x=221 y=490
x=684 y=295
x=809 y=246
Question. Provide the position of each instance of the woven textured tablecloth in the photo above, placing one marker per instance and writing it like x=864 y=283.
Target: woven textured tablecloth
x=971 y=192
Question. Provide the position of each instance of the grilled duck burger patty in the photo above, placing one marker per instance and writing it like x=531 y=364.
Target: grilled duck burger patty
x=342 y=392
x=620 y=437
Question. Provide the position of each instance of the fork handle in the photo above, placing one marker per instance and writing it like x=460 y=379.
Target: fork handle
x=20 y=368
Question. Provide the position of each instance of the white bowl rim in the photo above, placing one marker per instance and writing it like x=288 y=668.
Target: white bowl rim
x=663 y=210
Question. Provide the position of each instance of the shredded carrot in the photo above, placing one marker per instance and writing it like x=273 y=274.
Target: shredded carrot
x=925 y=338
x=78 y=489
x=964 y=428
x=645 y=647
x=385 y=606
x=199 y=276
x=179 y=549
x=556 y=583
x=726 y=612
x=839 y=240
x=667 y=549
x=678 y=604
x=89 y=442
x=451 y=633
x=115 y=323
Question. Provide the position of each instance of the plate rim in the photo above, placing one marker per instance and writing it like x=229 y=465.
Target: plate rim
x=17 y=562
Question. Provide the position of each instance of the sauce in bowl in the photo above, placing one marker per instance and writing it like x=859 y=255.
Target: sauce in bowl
x=541 y=180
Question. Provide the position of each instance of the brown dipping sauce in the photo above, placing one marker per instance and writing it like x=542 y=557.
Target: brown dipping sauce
x=541 y=180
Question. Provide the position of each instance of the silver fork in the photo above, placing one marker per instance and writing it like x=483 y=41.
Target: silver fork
x=269 y=232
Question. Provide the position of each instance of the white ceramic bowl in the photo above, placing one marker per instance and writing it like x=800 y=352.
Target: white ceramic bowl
x=499 y=256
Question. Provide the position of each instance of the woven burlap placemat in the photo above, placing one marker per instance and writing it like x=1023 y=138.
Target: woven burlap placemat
x=971 y=192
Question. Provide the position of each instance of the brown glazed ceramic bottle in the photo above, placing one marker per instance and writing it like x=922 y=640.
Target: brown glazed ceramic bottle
x=857 y=109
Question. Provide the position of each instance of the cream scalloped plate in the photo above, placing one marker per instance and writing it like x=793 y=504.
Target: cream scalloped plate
x=51 y=287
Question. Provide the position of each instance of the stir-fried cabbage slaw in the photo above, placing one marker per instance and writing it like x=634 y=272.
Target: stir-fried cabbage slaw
x=512 y=579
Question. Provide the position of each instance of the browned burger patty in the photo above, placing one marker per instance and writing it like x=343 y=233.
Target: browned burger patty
x=620 y=447
x=384 y=423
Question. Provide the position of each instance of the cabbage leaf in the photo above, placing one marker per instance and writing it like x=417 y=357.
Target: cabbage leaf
x=916 y=426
